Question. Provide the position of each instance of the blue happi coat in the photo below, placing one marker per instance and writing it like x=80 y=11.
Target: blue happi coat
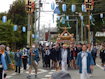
x=7 y=58
x=3 y=62
x=18 y=62
x=36 y=52
x=89 y=62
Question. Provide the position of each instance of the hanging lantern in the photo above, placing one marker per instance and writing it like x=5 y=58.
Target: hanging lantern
x=33 y=36
x=101 y=15
x=67 y=17
x=63 y=7
x=52 y=5
x=81 y=17
x=90 y=17
x=24 y=29
x=15 y=28
x=83 y=7
x=73 y=8
x=58 y=17
x=4 y=19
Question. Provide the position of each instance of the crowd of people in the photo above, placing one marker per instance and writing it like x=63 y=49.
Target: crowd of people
x=54 y=56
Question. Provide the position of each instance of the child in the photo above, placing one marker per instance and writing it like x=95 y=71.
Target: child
x=17 y=59
x=12 y=52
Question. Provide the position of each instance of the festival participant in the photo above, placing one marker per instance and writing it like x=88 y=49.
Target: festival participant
x=8 y=49
x=102 y=55
x=43 y=54
x=47 y=57
x=73 y=56
x=54 y=57
x=79 y=48
x=18 y=62
x=12 y=52
x=65 y=58
x=84 y=61
x=24 y=57
x=6 y=55
x=3 y=66
x=34 y=53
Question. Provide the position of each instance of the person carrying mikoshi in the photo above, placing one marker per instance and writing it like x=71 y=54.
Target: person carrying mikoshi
x=34 y=53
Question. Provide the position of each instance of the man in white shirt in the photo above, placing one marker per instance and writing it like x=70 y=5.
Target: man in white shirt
x=85 y=62
x=8 y=49
x=65 y=58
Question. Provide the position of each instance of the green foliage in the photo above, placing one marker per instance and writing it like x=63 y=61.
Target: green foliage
x=6 y=31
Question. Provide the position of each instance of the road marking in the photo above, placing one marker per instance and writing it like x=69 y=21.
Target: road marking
x=51 y=72
x=8 y=76
x=13 y=74
x=47 y=75
x=100 y=66
x=43 y=78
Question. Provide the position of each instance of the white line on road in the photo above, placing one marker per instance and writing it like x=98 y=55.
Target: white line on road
x=8 y=76
x=99 y=66
x=47 y=75
x=50 y=72
x=53 y=70
x=13 y=74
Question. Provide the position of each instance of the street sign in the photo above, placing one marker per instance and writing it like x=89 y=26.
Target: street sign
x=89 y=4
x=57 y=10
x=29 y=6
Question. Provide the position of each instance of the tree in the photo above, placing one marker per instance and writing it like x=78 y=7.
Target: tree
x=19 y=16
x=6 y=31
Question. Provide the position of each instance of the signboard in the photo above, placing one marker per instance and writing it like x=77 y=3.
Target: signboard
x=91 y=37
x=57 y=10
x=89 y=4
x=100 y=34
x=29 y=6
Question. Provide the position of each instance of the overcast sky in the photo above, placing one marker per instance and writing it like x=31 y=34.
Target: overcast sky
x=45 y=16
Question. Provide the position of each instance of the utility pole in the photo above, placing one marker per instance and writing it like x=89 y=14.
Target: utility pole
x=28 y=30
x=39 y=19
x=81 y=31
x=35 y=24
x=49 y=31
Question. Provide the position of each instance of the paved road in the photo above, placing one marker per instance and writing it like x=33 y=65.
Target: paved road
x=99 y=73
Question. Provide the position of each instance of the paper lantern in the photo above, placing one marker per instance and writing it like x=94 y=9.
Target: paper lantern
x=101 y=15
x=24 y=29
x=4 y=19
x=63 y=7
x=15 y=28
x=90 y=17
x=37 y=33
x=67 y=17
x=58 y=17
x=81 y=17
x=37 y=36
x=33 y=36
x=83 y=7
x=52 y=5
x=73 y=8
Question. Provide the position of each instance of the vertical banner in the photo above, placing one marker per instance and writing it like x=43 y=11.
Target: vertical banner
x=63 y=19
x=91 y=37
